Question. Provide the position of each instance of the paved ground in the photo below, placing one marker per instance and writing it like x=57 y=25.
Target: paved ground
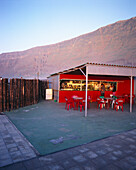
x=113 y=153
x=13 y=146
x=51 y=128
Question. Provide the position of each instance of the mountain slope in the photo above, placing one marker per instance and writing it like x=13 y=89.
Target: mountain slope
x=112 y=44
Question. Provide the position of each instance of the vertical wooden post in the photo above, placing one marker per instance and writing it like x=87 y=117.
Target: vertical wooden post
x=7 y=89
x=17 y=94
x=18 y=89
x=34 y=91
x=25 y=92
x=37 y=90
x=6 y=83
x=29 y=95
x=4 y=95
x=1 y=98
x=22 y=93
x=11 y=94
x=14 y=93
x=31 y=90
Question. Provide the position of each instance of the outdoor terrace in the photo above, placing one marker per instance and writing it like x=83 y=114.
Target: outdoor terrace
x=103 y=140
x=51 y=128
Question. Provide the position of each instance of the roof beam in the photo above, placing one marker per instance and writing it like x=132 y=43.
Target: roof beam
x=82 y=72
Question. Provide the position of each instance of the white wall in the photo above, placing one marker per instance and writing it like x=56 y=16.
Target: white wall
x=54 y=84
x=135 y=85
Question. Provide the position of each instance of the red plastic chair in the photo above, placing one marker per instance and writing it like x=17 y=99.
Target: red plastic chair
x=75 y=102
x=88 y=102
x=98 y=102
x=119 y=104
x=82 y=105
x=126 y=98
x=101 y=103
x=107 y=103
x=69 y=104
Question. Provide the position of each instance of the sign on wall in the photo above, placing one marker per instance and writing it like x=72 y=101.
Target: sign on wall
x=48 y=94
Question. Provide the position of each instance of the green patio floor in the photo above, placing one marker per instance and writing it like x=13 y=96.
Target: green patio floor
x=50 y=128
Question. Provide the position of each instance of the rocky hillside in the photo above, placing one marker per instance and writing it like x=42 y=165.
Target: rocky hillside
x=115 y=43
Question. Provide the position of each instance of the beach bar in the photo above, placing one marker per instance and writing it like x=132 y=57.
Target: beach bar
x=85 y=80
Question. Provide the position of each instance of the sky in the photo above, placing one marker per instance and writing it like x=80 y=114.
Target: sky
x=26 y=24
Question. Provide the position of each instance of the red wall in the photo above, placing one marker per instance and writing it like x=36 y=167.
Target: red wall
x=94 y=95
x=68 y=76
x=123 y=87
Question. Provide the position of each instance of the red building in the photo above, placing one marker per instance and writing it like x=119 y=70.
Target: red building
x=116 y=78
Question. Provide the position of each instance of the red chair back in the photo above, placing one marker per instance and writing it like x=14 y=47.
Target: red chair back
x=119 y=101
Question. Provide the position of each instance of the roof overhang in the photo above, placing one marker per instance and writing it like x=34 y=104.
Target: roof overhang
x=103 y=69
x=111 y=70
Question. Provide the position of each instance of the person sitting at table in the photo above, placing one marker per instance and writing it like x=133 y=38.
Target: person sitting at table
x=114 y=90
x=111 y=87
x=102 y=89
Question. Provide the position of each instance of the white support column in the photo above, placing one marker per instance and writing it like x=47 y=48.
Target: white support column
x=86 y=90
x=58 y=86
x=131 y=95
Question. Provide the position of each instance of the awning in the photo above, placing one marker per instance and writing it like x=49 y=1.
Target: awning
x=113 y=70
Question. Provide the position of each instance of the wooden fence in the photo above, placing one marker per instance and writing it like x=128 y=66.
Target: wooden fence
x=18 y=93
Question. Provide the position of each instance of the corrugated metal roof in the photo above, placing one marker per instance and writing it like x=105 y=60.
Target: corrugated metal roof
x=83 y=65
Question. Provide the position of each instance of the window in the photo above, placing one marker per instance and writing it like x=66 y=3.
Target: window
x=80 y=85
x=70 y=85
x=110 y=86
